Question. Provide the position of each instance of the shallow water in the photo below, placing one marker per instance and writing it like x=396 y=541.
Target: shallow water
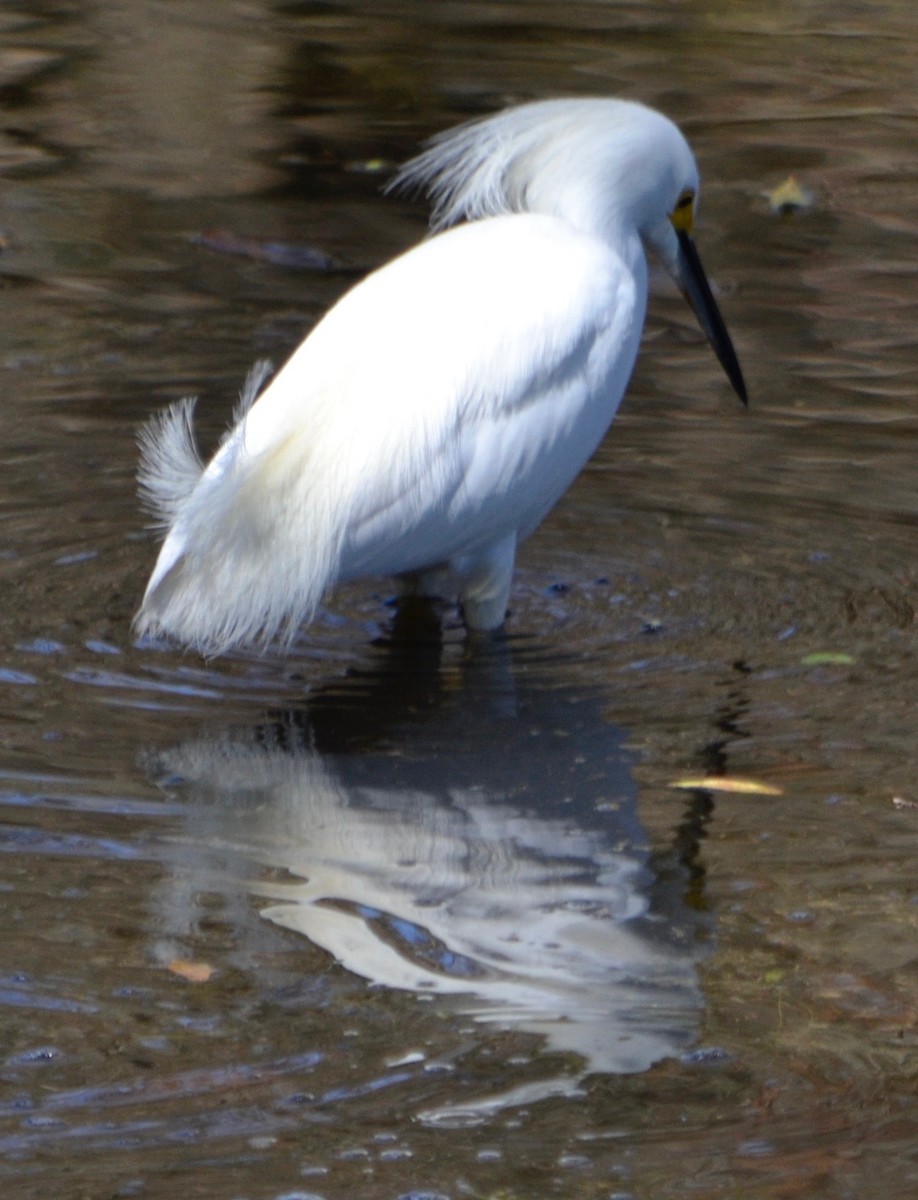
x=392 y=917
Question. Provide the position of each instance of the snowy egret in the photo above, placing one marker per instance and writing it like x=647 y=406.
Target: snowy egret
x=440 y=409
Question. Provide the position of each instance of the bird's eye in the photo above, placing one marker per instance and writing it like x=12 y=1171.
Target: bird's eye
x=684 y=212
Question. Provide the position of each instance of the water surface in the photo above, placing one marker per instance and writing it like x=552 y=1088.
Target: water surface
x=389 y=917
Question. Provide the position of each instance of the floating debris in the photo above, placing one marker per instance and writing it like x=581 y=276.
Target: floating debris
x=727 y=783
x=193 y=972
x=899 y=802
x=790 y=197
x=828 y=658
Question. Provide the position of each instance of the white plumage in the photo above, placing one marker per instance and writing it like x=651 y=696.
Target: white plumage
x=443 y=405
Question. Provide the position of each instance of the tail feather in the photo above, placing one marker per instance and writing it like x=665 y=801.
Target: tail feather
x=250 y=390
x=170 y=466
x=253 y=539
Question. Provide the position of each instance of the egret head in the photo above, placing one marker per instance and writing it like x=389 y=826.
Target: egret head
x=671 y=239
x=611 y=168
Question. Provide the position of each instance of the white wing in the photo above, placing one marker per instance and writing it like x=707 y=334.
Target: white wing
x=447 y=400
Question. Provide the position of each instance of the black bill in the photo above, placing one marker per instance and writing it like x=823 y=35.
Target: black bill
x=694 y=284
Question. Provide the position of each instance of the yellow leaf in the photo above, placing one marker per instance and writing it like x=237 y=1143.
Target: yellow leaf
x=827 y=658
x=789 y=197
x=194 y=972
x=727 y=783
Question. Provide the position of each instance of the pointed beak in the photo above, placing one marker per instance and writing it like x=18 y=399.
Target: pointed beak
x=695 y=287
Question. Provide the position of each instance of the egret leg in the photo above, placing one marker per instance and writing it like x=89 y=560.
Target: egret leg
x=485 y=584
x=428 y=585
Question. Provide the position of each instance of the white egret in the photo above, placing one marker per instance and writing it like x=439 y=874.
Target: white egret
x=440 y=409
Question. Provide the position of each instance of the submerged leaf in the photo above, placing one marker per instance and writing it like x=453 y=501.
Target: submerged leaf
x=193 y=972
x=281 y=254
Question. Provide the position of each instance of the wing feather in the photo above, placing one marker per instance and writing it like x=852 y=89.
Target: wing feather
x=358 y=457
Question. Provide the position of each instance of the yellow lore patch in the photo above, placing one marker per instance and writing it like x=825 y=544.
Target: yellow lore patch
x=683 y=215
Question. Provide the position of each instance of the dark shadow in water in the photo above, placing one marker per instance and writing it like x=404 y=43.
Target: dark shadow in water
x=461 y=821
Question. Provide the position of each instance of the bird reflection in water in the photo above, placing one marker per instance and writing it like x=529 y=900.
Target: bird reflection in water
x=469 y=828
